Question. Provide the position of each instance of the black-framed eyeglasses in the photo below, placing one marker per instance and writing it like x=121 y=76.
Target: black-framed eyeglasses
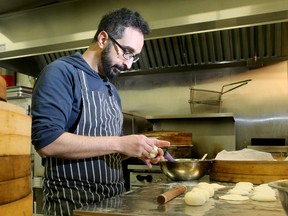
x=126 y=55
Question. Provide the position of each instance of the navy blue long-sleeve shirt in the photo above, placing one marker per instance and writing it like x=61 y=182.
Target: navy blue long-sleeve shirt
x=56 y=99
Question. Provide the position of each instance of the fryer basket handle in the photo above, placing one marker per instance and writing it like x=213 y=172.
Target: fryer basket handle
x=240 y=83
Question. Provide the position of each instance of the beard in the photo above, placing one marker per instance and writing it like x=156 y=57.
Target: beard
x=110 y=70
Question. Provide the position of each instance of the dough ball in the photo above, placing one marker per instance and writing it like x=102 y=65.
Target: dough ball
x=268 y=192
x=263 y=187
x=202 y=190
x=154 y=152
x=244 y=187
x=199 y=210
x=263 y=197
x=234 y=197
x=263 y=193
x=206 y=186
x=194 y=198
x=265 y=190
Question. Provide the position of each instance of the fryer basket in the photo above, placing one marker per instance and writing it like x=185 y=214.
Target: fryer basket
x=200 y=98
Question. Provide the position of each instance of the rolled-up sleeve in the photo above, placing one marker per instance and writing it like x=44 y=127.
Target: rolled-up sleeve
x=53 y=102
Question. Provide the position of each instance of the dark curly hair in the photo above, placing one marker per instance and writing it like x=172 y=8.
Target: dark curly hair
x=115 y=22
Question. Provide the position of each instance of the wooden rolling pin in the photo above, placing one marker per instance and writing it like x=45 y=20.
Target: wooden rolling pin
x=171 y=194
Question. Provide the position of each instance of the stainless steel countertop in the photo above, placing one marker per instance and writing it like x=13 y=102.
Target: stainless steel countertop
x=143 y=201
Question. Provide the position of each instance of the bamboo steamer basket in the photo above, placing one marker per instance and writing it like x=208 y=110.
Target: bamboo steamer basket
x=3 y=94
x=15 y=133
x=256 y=172
x=14 y=167
x=21 y=207
x=15 y=189
x=15 y=159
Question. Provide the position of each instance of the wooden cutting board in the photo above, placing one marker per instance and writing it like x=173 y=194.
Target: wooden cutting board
x=21 y=207
x=174 y=137
x=15 y=189
x=13 y=167
x=256 y=172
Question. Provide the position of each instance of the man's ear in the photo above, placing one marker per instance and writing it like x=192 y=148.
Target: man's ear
x=102 y=39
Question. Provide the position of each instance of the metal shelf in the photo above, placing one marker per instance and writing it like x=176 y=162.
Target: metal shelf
x=191 y=116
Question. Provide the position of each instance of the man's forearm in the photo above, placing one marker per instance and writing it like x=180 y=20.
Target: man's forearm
x=72 y=146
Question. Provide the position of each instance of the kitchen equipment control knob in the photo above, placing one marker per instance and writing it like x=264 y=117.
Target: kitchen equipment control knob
x=148 y=178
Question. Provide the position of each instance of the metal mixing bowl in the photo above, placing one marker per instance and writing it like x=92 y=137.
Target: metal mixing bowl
x=185 y=169
x=282 y=187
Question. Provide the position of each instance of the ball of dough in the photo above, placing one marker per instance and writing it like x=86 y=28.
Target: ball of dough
x=207 y=186
x=267 y=192
x=264 y=190
x=154 y=152
x=199 y=210
x=194 y=198
x=263 y=187
x=263 y=197
x=264 y=193
x=242 y=187
x=202 y=190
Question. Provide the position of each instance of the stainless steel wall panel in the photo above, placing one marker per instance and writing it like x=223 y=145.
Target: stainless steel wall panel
x=260 y=107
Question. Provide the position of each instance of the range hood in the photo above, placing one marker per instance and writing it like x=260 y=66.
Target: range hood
x=186 y=34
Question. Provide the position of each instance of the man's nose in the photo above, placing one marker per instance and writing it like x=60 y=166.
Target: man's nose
x=128 y=63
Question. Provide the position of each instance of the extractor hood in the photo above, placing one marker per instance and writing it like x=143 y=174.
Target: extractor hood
x=186 y=34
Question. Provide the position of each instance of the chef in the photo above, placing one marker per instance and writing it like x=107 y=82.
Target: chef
x=77 y=118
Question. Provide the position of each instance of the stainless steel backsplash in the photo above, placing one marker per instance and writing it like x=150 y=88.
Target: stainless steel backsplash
x=260 y=108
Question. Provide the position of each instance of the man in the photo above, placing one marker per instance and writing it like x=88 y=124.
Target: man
x=77 y=118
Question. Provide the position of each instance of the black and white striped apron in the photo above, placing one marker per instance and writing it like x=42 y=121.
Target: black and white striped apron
x=72 y=184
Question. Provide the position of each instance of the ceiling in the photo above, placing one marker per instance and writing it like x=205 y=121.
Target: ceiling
x=38 y=32
x=20 y=5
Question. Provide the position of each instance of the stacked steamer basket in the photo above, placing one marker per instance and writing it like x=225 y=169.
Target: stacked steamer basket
x=256 y=172
x=3 y=95
x=15 y=160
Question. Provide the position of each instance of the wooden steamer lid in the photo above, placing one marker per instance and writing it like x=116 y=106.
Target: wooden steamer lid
x=256 y=172
x=3 y=95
